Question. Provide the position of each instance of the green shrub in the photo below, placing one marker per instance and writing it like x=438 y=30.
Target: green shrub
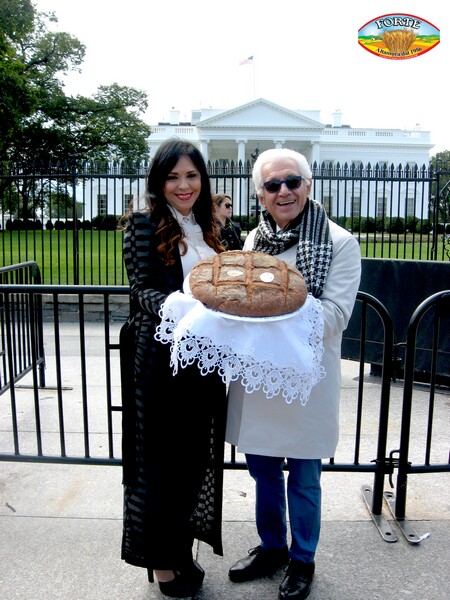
x=394 y=225
x=367 y=225
x=353 y=224
x=411 y=224
x=105 y=222
x=379 y=224
x=424 y=227
x=340 y=221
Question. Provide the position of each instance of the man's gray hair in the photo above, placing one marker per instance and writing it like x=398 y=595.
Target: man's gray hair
x=274 y=154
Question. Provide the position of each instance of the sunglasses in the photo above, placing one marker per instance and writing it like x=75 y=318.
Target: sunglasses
x=228 y=206
x=293 y=182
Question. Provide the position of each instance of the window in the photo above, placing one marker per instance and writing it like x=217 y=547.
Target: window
x=327 y=204
x=410 y=206
x=381 y=206
x=356 y=206
x=102 y=204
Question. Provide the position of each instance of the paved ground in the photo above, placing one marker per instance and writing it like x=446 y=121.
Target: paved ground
x=60 y=526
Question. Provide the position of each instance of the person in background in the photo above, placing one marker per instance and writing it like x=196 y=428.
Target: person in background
x=272 y=433
x=230 y=232
x=173 y=425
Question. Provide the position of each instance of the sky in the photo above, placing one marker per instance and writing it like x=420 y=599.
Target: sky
x=185 y=55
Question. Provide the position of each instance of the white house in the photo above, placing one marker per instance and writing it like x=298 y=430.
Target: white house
x=235 y=134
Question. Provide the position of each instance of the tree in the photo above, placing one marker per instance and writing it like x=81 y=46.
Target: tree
x=440 y=191
x=38 y=122
x=17 y=97
x=105 y=127
x=40 y=125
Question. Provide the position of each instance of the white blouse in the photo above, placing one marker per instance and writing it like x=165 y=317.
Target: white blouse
x=197 y=248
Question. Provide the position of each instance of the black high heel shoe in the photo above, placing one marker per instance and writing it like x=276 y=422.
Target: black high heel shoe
x=183 y=584
x=178 y=587
x=197 y=574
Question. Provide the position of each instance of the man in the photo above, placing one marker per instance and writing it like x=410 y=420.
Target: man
x=297 y=230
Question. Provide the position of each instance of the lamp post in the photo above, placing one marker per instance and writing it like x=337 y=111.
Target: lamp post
x=255 y=154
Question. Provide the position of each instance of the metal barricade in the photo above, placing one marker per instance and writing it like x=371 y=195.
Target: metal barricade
x=22 y=344
x=75 y=417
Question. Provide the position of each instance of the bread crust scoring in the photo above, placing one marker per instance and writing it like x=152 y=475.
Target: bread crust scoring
x=248 y=283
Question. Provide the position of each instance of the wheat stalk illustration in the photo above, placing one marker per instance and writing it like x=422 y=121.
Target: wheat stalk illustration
x=399 y=40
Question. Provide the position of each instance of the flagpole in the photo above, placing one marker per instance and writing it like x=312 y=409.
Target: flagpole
x=248 y=61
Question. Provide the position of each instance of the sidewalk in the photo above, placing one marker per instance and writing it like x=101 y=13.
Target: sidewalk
x=60 y=531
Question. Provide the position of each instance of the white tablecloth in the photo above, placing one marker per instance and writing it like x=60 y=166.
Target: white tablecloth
x=281 y=355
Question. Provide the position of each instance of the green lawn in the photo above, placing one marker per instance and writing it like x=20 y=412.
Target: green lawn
x=395 y=249
x=100 y=253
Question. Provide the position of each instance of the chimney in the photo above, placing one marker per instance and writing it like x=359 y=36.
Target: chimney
x=337 y=118
x=174 y=116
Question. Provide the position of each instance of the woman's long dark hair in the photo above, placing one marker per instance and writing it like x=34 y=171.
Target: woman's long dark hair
x=165 y=159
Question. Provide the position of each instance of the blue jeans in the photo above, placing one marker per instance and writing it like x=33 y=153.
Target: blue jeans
x=303 y=499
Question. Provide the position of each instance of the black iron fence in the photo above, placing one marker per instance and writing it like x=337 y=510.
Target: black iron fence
x=65 y=216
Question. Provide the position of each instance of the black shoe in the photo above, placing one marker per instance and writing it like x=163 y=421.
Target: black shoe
x=178 y=587
x=258 y=563
x=183 y=584
x=296 y=584
x=197 y=574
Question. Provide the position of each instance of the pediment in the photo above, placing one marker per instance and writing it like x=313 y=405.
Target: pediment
x=259 y=113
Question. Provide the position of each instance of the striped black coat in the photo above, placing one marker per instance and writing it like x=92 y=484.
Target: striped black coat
x=173 y=425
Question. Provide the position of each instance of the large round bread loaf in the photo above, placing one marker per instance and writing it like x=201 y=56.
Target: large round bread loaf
x=248 y=283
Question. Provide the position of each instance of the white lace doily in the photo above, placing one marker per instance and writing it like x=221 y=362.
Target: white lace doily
x=281 y=355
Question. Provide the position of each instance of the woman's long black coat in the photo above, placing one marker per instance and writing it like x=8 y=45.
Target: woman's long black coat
x=173 y=426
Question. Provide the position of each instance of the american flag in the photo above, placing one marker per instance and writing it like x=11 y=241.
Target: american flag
x=247 y=61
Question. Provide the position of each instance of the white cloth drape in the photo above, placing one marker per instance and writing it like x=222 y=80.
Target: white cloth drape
x=280 y=355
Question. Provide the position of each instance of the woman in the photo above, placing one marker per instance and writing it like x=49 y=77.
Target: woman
x=173 y=425
x=230 y=233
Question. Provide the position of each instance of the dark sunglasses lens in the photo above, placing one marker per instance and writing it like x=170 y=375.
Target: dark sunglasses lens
x=273 y=186
x=293 y=182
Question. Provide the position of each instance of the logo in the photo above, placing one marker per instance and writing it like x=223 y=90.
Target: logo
x=398 y=36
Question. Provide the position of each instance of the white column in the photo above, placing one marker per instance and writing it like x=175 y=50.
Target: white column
x=204 y=149
x=315 y=154
x=240 y=201
x=241 y=150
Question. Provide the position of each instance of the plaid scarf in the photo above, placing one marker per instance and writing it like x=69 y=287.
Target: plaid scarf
x=311 y=232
